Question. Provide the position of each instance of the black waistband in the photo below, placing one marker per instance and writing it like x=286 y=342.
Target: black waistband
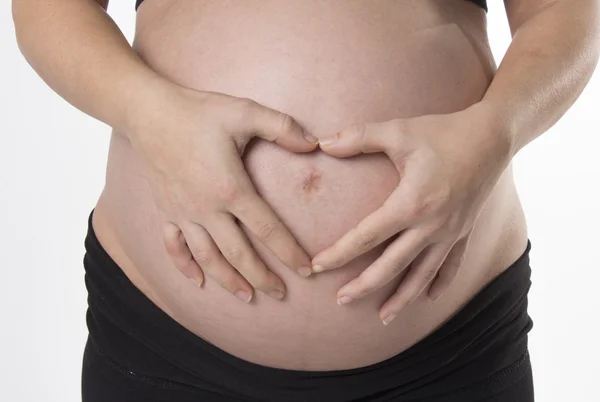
x=481 y=340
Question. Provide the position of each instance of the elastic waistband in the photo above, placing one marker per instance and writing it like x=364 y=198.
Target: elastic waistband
x=486 y=336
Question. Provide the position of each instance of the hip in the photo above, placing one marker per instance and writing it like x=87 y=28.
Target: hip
x=136 y=350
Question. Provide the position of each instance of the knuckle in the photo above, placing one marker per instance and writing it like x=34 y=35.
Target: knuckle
x=239 y=112
x=202 y=257
x=286 y=123
x=233 y=254
x=267 y=231
x=359 y=131
x=245 y=108
x=438 y=226
x=430 y=274
x=444 y=196
x=415 y=208
x=228 y=191
x=366 y=239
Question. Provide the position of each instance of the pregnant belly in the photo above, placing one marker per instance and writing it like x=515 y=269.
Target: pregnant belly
x=328 y=65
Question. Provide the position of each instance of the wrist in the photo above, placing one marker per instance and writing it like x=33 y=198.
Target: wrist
x=495 y=129
x=145 y=107
x=483 y=148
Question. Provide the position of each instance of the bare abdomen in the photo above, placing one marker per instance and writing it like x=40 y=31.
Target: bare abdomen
x=328 y=66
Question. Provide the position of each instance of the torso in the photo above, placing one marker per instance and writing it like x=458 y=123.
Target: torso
x=328 y=64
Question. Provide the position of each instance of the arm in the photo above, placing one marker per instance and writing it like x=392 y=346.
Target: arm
x=79 y=51
x=444 y=184
x=553 y=54
x=190 y=141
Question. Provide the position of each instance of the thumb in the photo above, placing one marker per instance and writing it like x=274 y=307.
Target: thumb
x=363 y=138
x=279 y=128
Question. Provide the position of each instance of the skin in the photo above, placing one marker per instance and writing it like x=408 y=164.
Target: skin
x=115 y=81
x=202 y=227
x=444 y=184
x=163 y=87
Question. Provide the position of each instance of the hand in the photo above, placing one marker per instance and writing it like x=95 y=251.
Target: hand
x=192 y=143
x=448 y=165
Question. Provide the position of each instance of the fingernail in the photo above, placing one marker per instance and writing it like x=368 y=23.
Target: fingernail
x=305 y=271
x=243 y=295
x=344 y=300
x=276 y=294
x=318 y=268
x=326 y=142
x=310 y=138
x=196 y=281
x=388 y=319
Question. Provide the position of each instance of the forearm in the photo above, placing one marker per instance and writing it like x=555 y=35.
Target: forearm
x=78 y=50
x=550 y=60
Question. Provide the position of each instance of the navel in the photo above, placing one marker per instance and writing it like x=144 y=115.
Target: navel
x=310 y=180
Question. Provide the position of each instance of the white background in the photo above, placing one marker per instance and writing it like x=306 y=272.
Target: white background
x=52 y=160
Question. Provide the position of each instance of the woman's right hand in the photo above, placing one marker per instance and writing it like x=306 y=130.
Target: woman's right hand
x=192 y=143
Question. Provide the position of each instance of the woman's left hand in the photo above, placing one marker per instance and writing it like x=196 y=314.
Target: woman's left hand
x=448 y=166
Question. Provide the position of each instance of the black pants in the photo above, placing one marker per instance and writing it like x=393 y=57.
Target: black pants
x=136 y=352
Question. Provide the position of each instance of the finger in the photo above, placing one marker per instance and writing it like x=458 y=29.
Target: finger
x=208 y=256
x=180 y=253
x=422 y=271
x=263 y=223
x=363 y=138
x=276 y=127
x=396 y=257
x=235 y=247
x=448 y=271
x=376 y=228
